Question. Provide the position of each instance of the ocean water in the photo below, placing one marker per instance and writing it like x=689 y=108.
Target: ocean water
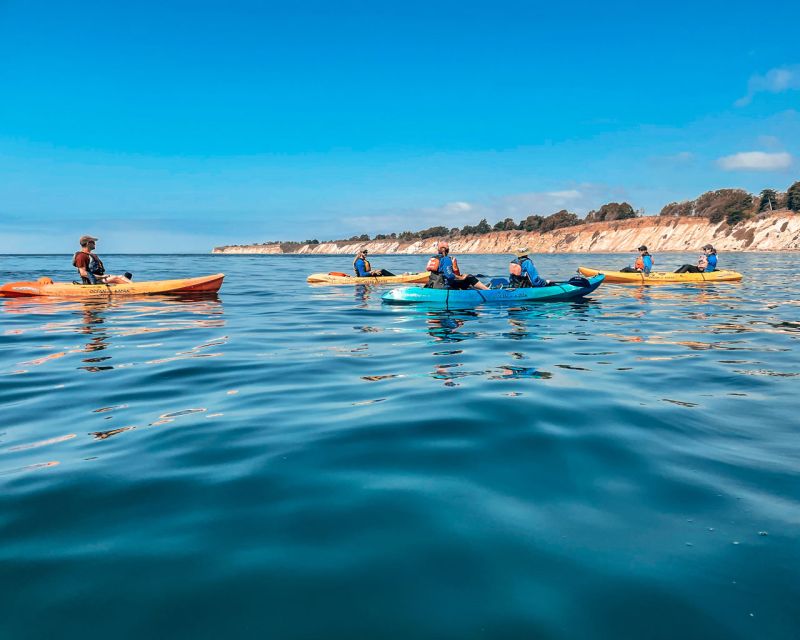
x=288 y=461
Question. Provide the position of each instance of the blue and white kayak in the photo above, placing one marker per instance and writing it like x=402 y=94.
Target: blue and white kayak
x=575 y=288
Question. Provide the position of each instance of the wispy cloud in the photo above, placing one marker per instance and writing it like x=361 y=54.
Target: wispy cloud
x=775 y=80
x=517 y=206
x=756 y=161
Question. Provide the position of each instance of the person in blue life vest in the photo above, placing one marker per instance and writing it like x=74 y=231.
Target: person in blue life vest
x=444 y=271
x=363 y=269
x=706 y=263
x=642 y=264
x=522 y=272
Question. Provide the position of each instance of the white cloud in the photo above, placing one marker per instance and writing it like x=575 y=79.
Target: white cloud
x=775 y=80
x=457 y=207
x=756 y=161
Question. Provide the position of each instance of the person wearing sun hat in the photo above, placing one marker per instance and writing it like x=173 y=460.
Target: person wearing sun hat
x=90 y=267
x=522 y=272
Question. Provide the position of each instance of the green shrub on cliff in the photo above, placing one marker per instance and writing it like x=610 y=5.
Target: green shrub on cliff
x=793 y=197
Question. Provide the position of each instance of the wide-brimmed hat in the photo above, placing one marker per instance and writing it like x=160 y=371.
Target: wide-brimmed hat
x=86 y=240
x=522 y=251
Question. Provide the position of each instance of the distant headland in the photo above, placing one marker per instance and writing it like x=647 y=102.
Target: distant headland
x=730 y=219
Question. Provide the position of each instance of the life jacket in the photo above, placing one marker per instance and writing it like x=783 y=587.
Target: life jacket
x=702 y=262
x=515 y=268
x=95 y=267
x=367 y=265
x=435 y=264
x=639 y=264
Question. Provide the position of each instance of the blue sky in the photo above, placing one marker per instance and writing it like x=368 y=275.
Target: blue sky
x=177 y=126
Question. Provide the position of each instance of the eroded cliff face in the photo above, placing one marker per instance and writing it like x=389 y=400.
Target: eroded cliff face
x=778 y=231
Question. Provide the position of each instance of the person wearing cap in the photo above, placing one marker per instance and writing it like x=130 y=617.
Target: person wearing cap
x=706 y=263
x=444 y=271
x=91 y=268
x=362 y=267
x=643 y=263
x=522 y=272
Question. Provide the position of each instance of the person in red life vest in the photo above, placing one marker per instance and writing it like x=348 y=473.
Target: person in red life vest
x=643 y=263
x=363 y=269
x=522 y=272
x=91 y=268
x=444 y=272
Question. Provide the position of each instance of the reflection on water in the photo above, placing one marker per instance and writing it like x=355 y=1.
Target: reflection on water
x=556 y=460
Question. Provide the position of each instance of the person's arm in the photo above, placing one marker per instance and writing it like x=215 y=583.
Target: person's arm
x=533 y=275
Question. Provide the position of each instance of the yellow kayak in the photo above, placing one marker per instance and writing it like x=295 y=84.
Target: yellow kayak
x=658 y=277
x=336 y=277
x=46 y=287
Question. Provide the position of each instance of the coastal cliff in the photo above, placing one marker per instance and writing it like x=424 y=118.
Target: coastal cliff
x=777 y=231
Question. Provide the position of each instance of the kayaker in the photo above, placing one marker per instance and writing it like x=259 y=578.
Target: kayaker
x=706 y=263
x=522 y=272
x=643 y=263
x=444 y=272
x=91 y=268
x=363 y=269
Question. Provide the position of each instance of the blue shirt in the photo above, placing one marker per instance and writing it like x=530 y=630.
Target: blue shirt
x=361 y=268
x=712 y=263
x=530 y=270
x=648 y=263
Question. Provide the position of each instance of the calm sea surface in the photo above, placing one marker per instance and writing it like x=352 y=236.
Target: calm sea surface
x=287 y=461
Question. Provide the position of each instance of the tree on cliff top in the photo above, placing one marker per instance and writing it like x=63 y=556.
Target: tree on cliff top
x=733 y=205
x=480 y=228
x=769 y=200
x=685 y=208
x=505 y=225
x=611 y=211
x=793 y=197
x=531 y=223
x=559 y=220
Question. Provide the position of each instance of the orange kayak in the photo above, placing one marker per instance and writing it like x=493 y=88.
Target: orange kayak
x=46 y=287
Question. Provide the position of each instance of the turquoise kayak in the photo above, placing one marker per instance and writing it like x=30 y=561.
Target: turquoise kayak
x=575 y=288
